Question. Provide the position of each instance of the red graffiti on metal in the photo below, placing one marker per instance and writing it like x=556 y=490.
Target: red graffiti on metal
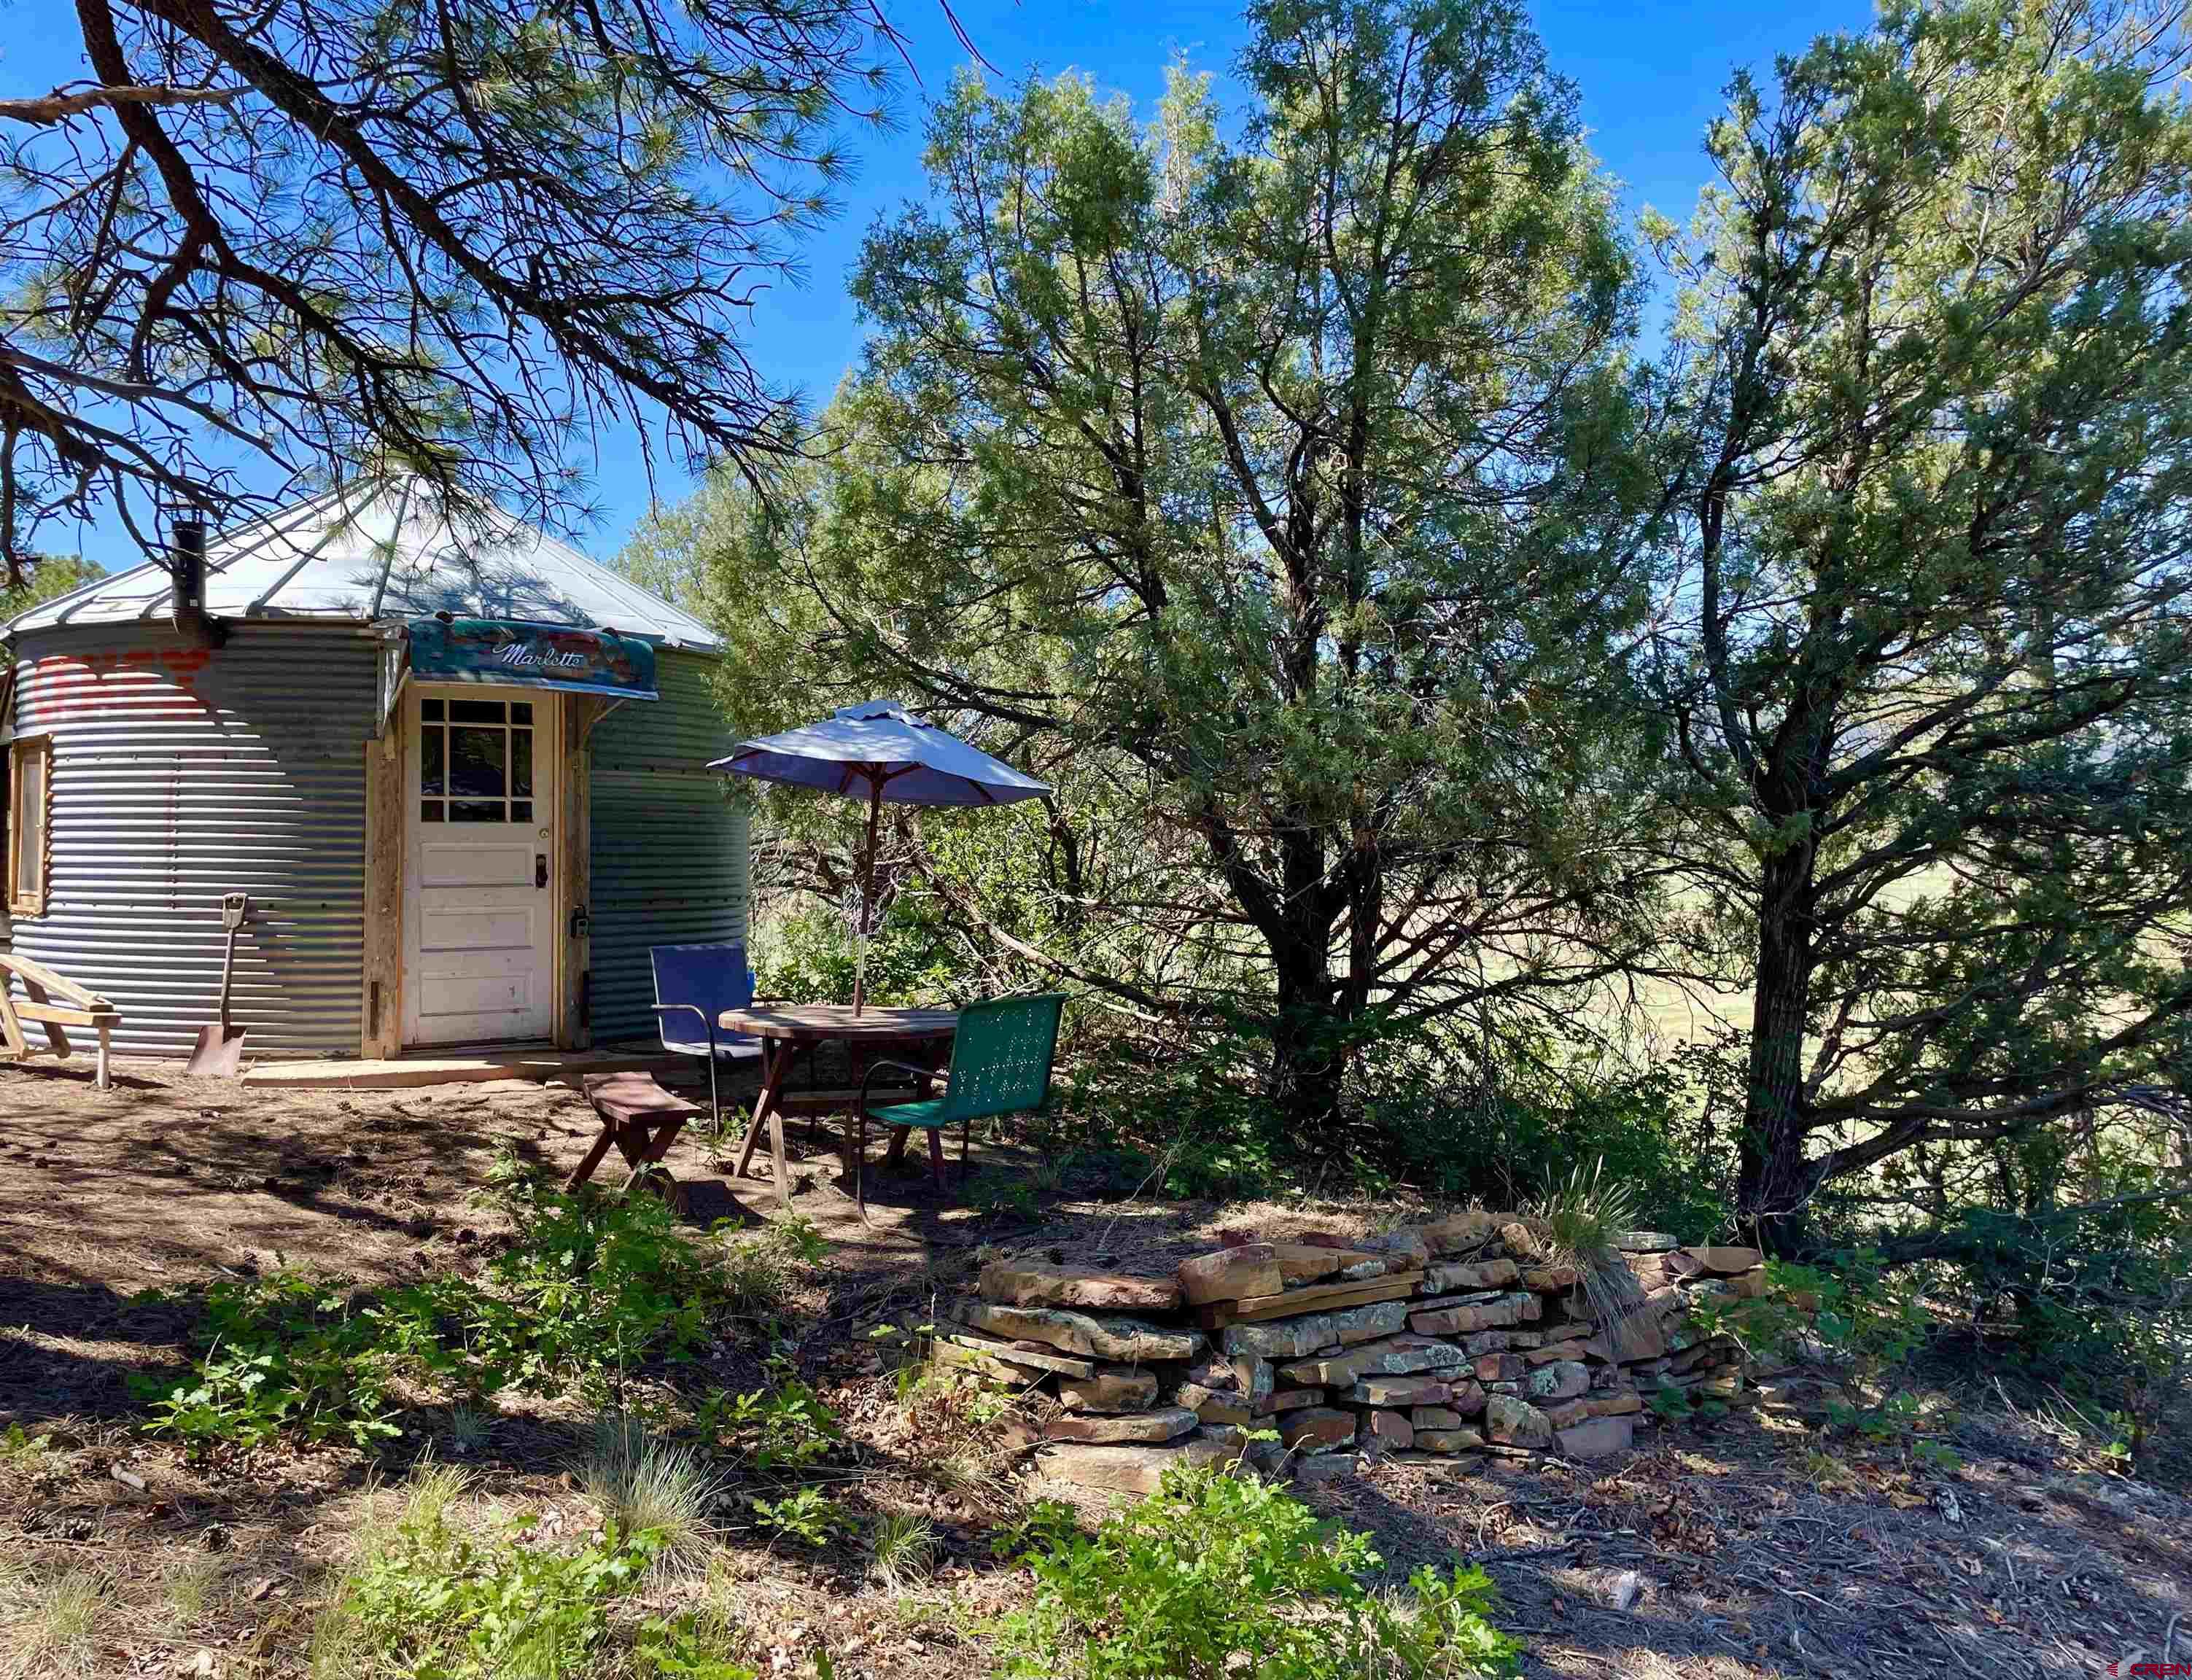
x=66 y=686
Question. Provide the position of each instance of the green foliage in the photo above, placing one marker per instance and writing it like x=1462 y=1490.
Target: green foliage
x=1220 y=1577
x=1850 y=1312
x=590 y=1287
x=915 y=955
x=786 y=1427
x=1423 y=1114
x=1052 y=517
x=1932 y=705
x=999 y=1192
x=285 y=1351
x=430 y=1598
x=806 y=1514
x=48 y=576
x=591 y=1284
x=21 y=1450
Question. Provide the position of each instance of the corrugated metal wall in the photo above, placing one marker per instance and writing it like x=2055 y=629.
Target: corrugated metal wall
x=180 y=774
x=669 y=847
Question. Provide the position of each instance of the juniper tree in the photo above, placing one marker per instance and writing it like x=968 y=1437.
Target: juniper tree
x=1263 y=480
x=1934 y=706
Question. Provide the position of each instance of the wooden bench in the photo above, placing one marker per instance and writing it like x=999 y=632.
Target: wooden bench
x=55 y=1003
x=640 y=1118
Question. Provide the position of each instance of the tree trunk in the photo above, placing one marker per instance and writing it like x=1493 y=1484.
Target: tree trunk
x=1307 y=1066
x=1774 y=1183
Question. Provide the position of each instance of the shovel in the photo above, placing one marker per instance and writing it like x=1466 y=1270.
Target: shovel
x=219 y=1051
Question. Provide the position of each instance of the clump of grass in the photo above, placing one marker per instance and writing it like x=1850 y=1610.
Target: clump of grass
x=468 y=1429
x=432 y=1489
x=645 y=1485
x=429 y=1594
x=53 y=1625
x=902 y=1549
x=967 y=1473
x=1582 y=1216
x=192 y=1584
x=759 y=1270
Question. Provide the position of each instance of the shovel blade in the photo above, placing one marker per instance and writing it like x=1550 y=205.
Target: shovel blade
x=219 y=1054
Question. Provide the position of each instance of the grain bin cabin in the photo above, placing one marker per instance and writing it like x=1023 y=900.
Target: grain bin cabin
x=461 y=777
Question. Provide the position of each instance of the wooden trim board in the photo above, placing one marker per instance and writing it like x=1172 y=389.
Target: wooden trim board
x=380 y=1011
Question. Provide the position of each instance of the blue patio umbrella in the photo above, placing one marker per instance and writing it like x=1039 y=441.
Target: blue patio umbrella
x=879 y=750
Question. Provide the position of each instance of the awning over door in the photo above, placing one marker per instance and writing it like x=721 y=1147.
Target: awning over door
x=531 y=655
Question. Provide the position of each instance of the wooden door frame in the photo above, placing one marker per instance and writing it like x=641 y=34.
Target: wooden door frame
x=387 y=765
x=551 y=755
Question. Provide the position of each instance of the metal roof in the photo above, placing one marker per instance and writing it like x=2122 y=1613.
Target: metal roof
x=379 y=554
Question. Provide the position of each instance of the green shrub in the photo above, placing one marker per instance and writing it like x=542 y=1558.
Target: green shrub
x=786 y=1427
x=429 y=1598
x=1421 y=1110
x=1224 y=1578
x=915 y=955
x=284 y=1351
x=592 y=1285
x=808 y=1514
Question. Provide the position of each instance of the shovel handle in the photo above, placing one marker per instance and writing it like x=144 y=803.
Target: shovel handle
x=232 y=908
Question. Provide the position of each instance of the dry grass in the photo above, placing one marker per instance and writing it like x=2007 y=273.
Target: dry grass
x=52 y=1623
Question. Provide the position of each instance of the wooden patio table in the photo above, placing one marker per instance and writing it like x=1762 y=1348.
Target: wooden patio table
x=783 y=1031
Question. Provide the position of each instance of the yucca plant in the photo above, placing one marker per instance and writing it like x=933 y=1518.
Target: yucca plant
x=1582 y=1217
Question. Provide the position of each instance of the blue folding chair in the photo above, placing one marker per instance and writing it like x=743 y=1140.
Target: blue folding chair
x=700 y=982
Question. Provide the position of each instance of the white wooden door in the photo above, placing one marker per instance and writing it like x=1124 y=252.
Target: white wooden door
x=479 y=935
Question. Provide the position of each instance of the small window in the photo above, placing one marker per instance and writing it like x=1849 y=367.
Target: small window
x=476 y=761
x=30 y=807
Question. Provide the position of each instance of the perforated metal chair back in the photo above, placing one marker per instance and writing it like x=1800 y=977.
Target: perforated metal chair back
x=707 y=978
x=1002 y=1056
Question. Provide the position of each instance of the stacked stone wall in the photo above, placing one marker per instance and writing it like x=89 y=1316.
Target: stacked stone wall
x=1464 y=1337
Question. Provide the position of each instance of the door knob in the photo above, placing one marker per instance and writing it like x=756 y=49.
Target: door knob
x=540 y=869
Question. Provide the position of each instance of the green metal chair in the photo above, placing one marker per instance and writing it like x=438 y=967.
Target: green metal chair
x=1001 y=1061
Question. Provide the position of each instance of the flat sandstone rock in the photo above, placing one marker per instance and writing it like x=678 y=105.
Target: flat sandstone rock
x=1036 y=1283
x=1129 y=1341
x=1249 y=1269
x=1117 y=1388
x=1125 y=1469
x=1145 y=1427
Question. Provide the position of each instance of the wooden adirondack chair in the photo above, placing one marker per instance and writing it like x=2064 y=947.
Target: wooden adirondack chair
x=1001 y=1064
x=55 y=1003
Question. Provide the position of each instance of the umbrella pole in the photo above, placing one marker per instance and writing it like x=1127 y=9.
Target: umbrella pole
x=867 y=892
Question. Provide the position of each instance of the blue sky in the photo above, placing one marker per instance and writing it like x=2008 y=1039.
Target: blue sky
x=1650 y=76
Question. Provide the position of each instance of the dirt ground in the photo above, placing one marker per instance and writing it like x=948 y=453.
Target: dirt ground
x=1757 y=1546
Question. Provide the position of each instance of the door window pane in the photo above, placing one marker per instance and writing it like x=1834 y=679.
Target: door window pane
x=477 y=763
